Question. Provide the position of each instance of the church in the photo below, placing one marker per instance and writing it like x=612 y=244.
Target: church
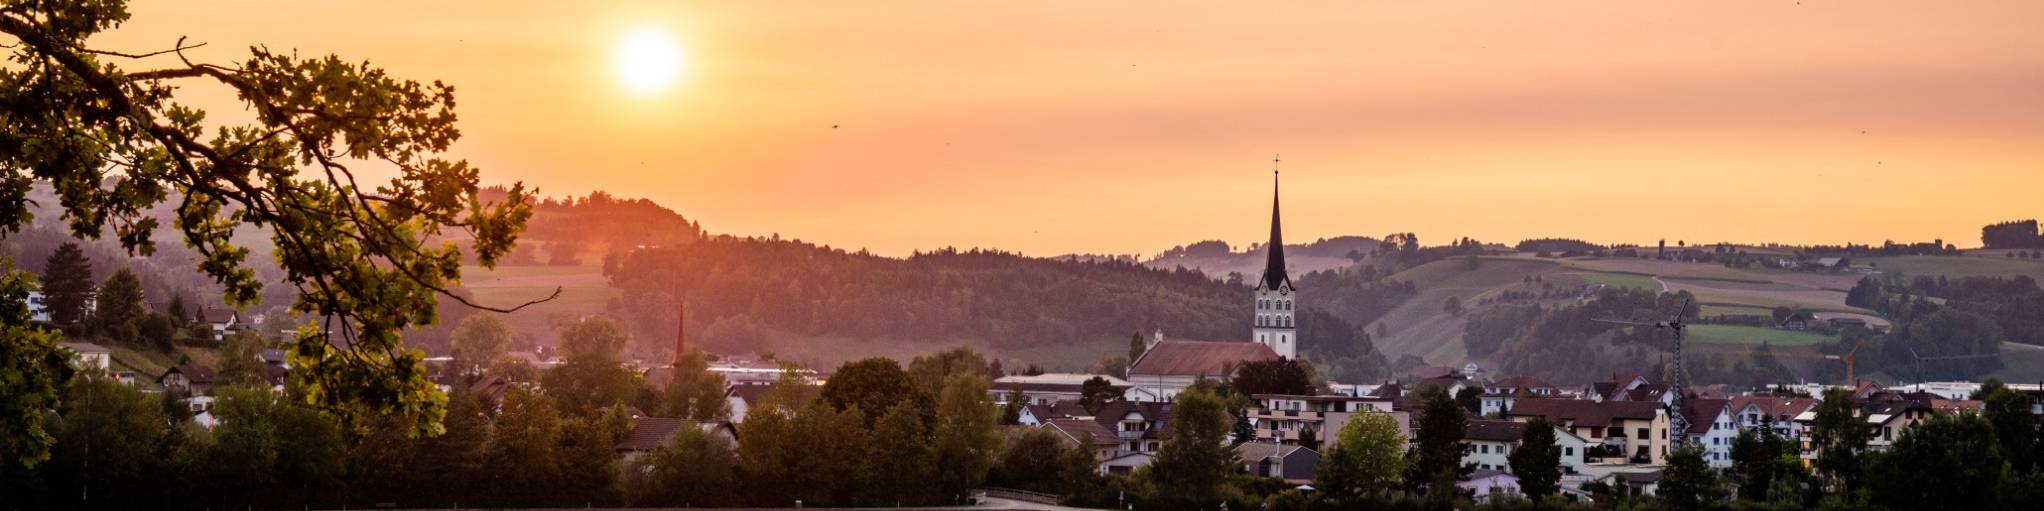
x=1167 y=367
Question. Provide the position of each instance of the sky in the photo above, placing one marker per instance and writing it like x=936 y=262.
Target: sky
x=1130 y=127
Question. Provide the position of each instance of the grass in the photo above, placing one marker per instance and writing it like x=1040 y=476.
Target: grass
x=1994 y=265
x=1721 y=309
x=1741 y=334
x=584 y=291
x=1632 y=280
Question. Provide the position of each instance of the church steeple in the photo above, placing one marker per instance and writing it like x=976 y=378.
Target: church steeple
x=1274 y=270
x=1276 y=299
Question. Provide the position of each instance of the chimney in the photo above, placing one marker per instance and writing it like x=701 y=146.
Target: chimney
x=680 y=332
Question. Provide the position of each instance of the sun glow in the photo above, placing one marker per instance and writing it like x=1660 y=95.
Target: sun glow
x=648 y=61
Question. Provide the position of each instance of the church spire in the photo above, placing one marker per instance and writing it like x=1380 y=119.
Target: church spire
x=1274 y=271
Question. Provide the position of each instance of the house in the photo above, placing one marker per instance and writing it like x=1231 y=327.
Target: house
x=1773 y=412
x=1798 y=320
x=1050 y=388
x=1286 y=419
x=223 y=322
x=38 y=307
x=743 y=398
x=87 y=356
x=1499 y=395
x=1642 y=484
x=1490 y=484
x=1292 y=463
x=190 y=379
x=1168 y=367
x=1634 y=430
x=1036 y=415
x=1533 y=386
x=1124 y=435
x=1136 y=427
x=1087 y=434
x=1491 y=443
x=490 y=390
x=648 y=433
x=1711 y=426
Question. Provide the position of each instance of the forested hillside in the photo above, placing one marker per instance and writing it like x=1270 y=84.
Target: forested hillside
x=742 y=291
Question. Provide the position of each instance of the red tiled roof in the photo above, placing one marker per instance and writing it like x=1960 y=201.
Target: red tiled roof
x=194 y=373
x=1494 y=430
x=1523 y=382
x=1195 y=358
x=1584 y=413
x=1701 y=412
x=649 y=432
x=1077 y=429
x=1782 y=409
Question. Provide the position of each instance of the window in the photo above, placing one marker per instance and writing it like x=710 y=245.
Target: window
x=1568 y=451
x=1643 y=434
x=1483 y=448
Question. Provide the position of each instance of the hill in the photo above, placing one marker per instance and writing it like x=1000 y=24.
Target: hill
x=1420 y=327
x=1218 y=260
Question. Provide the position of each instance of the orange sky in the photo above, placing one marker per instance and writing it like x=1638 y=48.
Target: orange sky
x=1129 y=127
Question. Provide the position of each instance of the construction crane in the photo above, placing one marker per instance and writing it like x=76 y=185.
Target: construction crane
x=1678 y=423
x=1851 y=378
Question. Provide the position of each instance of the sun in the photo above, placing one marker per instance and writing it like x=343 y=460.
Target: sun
x=648 y=61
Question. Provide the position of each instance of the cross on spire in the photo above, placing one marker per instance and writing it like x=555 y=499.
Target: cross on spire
x=1274 y=164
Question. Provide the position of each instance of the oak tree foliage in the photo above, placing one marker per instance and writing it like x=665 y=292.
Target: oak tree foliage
x=344 y=165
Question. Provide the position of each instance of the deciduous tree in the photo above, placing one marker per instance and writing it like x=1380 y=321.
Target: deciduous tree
x=479 y=341
x=114 y=142
x=1366 y=460
x=32 y=368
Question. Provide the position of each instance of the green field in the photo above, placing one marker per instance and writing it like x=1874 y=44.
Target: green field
x=584 y=291
x=1985 y=264
x=1741 y=334
x=1631 y=280
x=1719 y=309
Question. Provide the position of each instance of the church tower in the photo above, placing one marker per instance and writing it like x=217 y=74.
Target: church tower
x=1274 y=293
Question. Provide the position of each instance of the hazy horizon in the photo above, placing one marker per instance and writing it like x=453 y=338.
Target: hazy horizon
x=1130 y=128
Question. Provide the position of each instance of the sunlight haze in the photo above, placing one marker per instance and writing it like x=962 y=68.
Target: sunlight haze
x=1130 y=127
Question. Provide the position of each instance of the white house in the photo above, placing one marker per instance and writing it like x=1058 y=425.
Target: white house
x=89 y=356
x=1491 y=443
x=1712 y=427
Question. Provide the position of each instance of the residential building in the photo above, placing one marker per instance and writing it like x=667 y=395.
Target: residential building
x=1499 y=395
x=1285 y=419
x=223 y=322
x=1633 y=431
x=649 y=433
x=1774 y=412
x=1138 y=429
x=190 y=379
x=1712 y=427
x=1292 y=463
x=1491 y=443
x=87 y=356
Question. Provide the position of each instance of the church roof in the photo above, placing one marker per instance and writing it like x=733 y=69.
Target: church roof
x=1274 y=270
x=1197 y=358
